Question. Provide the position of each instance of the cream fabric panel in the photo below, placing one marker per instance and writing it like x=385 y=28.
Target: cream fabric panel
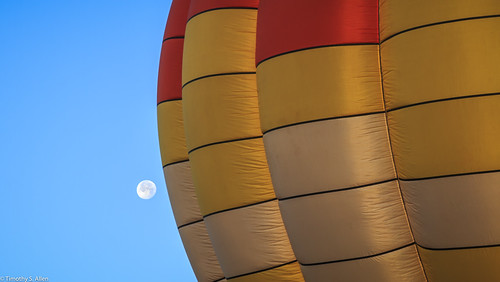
x=212 y=46
x=396 y=266
x=460 y=211
x=330 y=154
x=467 y=265
x=249 y=239
x=228 y=101
x=442 y=61
x=200 y=252
x=171 y=132
x=299 y=86
x=401 y=15
x=181 y=193
x=449 y=137
x=346 y=224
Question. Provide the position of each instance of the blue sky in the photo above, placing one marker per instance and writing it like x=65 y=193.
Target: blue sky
x=78 y=133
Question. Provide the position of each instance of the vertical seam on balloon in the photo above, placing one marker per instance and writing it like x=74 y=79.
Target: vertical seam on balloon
x=398 y=182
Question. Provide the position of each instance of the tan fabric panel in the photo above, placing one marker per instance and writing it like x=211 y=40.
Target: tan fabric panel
x=286 y=273
x=397 y=266
x=397 y=15
x=346 y=224
x=446 y=138
x=249 y=239
x=181 y=193
x=230 y=175
x=467 y=265
x=459 y=211
x=171 y=132
x=200 y=252
x=330 y=154
x=330 y=82
x=225 y=47
x=442 y=61
x=221 y=108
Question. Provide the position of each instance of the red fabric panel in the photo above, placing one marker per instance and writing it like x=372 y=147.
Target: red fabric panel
x=199 y=6
x=176 y=23
x=286 y=25
x=170 y=71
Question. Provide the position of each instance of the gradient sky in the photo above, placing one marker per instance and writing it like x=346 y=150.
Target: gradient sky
x=78 y=133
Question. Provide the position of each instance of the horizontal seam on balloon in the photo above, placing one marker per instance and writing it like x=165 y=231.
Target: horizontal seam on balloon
x=170 y=100
x=221 y=8
x=222 y=142
x=443 y=100
x=190 y=223
x=318 y=47
x=338 y=190
x=258 y=271
x=459 y=248
x=177 y=162
x=240 y=207
x=438 y=23
x=173 y=37
x=358 y=258
x=322 y=119
x=450 y=175
x=220 y=279
x=216 y=75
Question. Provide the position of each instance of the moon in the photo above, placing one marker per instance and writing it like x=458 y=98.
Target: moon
x=146 y=189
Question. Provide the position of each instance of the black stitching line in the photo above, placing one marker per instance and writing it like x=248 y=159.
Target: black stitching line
x=240 y=207
x=177 y=162
x=266 y=269
x=338 y=190
x=173 y=37
x=221 y=8
x=316 y=47
x=217 y=74
x=444 y=99
x=322 y=119
x=358 y=258
x=190 y=223
x=225 y=141
x=164 y=101
x=438 y=23
x=450 y=175
x=459 y=248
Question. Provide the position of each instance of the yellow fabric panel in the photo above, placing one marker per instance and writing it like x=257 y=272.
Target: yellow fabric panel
x=454 y=211
x=442 y=61
x=466 y=265
x=221 y=108
x=397 y=266
x=213 y=46
x=449 y=137
x=171 y=132
x=200 y=252
x=397 y=15
x=250 y=239
x=319 y=83
x=230 y=175
x=286 y=273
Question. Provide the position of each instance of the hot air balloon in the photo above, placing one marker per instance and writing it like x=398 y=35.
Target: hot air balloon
x=333 y=140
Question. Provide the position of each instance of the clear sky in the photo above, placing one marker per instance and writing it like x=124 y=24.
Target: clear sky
x=78 y=133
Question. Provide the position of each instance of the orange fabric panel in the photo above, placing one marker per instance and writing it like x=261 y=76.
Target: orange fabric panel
x=284 y=25
x=176 y=23
x=200 y=6
x=170 y=70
